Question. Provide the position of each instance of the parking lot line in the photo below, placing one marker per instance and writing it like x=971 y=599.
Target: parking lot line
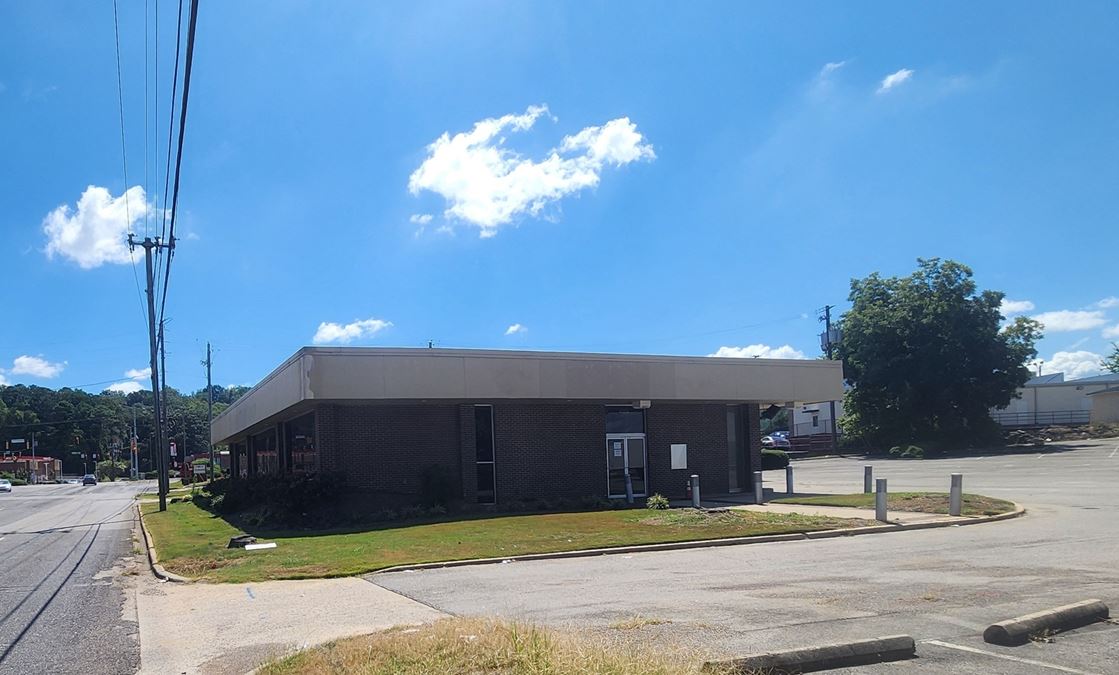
x=1016 y=659
x=1113 y=452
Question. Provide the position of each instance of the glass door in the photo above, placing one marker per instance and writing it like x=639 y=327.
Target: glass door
x=625 y=454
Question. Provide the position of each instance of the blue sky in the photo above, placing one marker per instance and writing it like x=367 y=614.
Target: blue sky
x=633 y=177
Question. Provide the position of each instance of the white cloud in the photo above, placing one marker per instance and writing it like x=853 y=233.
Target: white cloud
x=488 y=185
x=1069 y=320
x=420 y=218
x=760 y=351
x=129 y=387
x=138 y=373
x=36 y=366
x=894 y=79
x=1012 y=307
x=3 y=380
x=1108 y=303
x=1074 y=365
x=1111 y=331
x=96 y=232
x=334 y=332
x=830 y=68
x=515 y=329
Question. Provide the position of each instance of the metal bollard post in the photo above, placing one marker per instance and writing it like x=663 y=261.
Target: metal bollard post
x=956 y=497
x=695 y=491
x=629 y=488
x=868 y=479
x=789 y=480
x=880 y=499
x=759 y=489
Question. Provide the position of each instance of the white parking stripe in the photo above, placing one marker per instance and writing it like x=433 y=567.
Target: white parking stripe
x=1016 y=659
x=1113 y=452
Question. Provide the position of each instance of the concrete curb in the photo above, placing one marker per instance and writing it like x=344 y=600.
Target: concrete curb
x=1018 y=630
x=153 y=558
x=704 y=543
x=827 y=657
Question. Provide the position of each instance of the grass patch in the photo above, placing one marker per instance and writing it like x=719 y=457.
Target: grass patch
x=192 y=541
x=635 y=622
x=460 y=645
x=923 y=502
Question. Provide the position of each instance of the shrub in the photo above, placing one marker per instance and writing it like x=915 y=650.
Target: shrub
x=657 y=502
x=436 y=486
x=908 y=452
x=773 y=459
x=281 y=499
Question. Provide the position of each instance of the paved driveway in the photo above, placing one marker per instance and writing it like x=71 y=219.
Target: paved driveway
x=942 y=585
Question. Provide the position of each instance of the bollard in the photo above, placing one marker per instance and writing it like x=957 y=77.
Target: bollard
x=695 y=491
x=629 y=488
x=789 y=480
x=759 y=489
x=868 y=479
x=956 y=497
x=880 y=499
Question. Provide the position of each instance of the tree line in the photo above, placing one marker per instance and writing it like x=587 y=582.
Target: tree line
x=68 y=423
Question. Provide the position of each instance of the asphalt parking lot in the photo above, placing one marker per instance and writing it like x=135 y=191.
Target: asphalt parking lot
x=942 y=586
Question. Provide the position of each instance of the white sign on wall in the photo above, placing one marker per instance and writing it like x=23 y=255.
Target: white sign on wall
x=679 y=455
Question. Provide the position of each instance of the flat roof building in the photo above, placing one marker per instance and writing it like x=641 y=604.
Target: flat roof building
x=508 y=425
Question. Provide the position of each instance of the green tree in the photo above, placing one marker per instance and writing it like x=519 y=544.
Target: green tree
x=1110 y=362
x=927 y=359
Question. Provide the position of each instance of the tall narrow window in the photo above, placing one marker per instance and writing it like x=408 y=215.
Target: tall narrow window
x=484 y=454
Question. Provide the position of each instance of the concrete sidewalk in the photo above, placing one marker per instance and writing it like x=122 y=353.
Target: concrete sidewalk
x=898 y=517
x=233 y=628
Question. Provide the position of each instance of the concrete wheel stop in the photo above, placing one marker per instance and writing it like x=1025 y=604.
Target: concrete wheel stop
x=1020 y=629
x=827 y=657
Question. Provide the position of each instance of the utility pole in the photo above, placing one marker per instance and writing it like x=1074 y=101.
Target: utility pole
x=133 y=455
x=209 y=408
x=165 y=419
x=148 y=244
x=828 y=351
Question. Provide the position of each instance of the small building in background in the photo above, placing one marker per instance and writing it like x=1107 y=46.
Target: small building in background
x=1051 y=400
x=32 y=469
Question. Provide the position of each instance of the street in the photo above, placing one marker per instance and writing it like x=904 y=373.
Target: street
x=942 y=585
x=63 y=606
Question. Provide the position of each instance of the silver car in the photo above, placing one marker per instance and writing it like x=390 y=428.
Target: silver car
x=5 y=485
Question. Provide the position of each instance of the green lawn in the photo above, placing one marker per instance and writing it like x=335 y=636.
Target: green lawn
x=926 y=502
x=191 y=541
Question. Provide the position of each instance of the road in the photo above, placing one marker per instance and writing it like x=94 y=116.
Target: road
x=64 y=606
x=942 y=586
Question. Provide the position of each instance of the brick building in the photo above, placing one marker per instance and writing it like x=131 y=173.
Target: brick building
x=515 y=425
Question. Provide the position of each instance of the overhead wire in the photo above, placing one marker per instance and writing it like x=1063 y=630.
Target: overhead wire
x=191 y=26
x=124 y=154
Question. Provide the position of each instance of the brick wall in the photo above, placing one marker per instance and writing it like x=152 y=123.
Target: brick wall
x=541 y=450
x=386 y=447
x=704 y=428
x=549 y=450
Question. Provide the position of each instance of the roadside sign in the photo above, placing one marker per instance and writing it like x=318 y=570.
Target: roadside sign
x=199 y=469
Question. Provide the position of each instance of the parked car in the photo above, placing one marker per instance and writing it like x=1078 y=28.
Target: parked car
x=89 y=479
x=776 y=440
x=5 y=485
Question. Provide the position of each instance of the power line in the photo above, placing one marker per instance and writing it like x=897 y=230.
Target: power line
x=124 y=152
x=179 y=151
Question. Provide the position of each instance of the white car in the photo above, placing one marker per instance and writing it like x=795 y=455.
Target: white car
x=775 y=441
x=5 y=485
